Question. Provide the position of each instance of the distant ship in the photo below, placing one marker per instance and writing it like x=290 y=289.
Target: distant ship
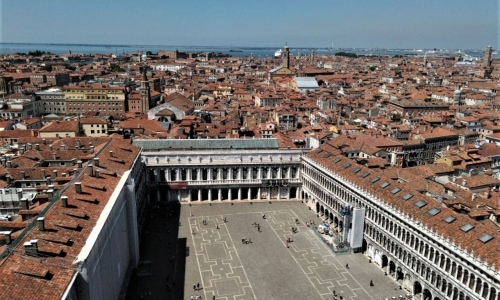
x=278 y=53
x=235 y=50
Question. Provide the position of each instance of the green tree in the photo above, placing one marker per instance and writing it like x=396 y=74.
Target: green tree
x=346 y=54
x=115 y=68
x=47 y=68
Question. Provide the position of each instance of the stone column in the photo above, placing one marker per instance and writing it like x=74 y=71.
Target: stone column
x=239 y=194
x=259 y=173
x=279 y=192
x=268 y=193
x=209 y=174
x=230 y=194
x=230 y=173
x=188 y=174
x=258 y=194
x=209 y=194
x=199 y=195
x=249 y=194
x=198 y=174
x=219 y=194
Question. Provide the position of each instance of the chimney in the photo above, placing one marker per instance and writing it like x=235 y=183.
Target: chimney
x=8 y=237
x=110 y=153
x=24 y=203
x=78 y=187
x=50 y=146
x=96 y=173
x=29 y=146
x=75 y=171
x=41 y=223
x=23 y=175
x=9 y=164
x=37 y=147
x=454 y=178
x=43 y=173
x=63 y=147
x=79 y=163
x=44 y=141
x=54 y=156
x=91 y=149
x=50 y=193
x=31 y=247
x=474 y=196
x=19 y=193
x=96 y=162
x=21 y=151
x=64 y=174
x=91 y=170
x=55 y=173
x=78 y=144
x=64 y=201
x=487 y=193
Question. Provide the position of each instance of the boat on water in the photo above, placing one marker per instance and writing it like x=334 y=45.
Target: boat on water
x=235 y=50
x=278 y=53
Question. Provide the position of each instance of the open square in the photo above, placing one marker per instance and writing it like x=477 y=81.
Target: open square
x=210 y=250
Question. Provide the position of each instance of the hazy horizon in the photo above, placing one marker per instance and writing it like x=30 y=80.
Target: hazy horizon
x=425 y=24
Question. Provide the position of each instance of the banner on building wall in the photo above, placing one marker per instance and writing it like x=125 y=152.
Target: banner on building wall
x=178 y=185
x=358 y=223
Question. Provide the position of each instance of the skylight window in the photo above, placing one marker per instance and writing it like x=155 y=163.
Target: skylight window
x=319 y=151
x=466 y=227
x=384 y=184
x=485 y=238
x=365 y=174
x=433 y=211
x=395 y=190
x=407 y=196
x=420 y=204
x=346 y=165
x=449 y=219
x=336 y=160
x=327 y=155
x=356 y=170
x=374 y=179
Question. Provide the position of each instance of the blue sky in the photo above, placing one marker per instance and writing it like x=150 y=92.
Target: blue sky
x=460 y=24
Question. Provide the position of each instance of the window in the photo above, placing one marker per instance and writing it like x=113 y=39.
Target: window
x=467 y=227
x=485 y=238
x=395 y=190
x=420 y=204
x=449 y=219
x=346 y=165
x=407 y=196
x=356 y=170
x=374 y=179
x=433 y=211
x=365 y=174
x=384 y=184
x=336 y=160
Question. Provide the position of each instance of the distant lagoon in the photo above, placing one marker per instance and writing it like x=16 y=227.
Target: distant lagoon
x=8 y=48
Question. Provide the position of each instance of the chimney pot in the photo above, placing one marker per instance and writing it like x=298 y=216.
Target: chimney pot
x=43 y=173
x=19 y=193
x=110 y=153
x=8 y=237
x=64 y=174
x=41 y=223
x=79 y=163
x=9 y=164
x=24 y=203
x=96 y=161
x=91 y=170
x=55 y=173
x=44 y=141
x=78 y=187
x=78 y=143
x=37 y=147
x=54 y=156
x=50 y=193
x=64 y=201
x=97 y=173
x=91 y=149
x=23 y=175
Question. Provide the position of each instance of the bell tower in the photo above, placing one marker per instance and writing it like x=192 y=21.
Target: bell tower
x=145 y=93
x=286 y=57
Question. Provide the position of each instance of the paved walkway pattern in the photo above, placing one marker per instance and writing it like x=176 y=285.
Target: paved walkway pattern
x=266 y=268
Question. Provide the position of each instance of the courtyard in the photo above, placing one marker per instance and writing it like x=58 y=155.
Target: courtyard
x=201 y=243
